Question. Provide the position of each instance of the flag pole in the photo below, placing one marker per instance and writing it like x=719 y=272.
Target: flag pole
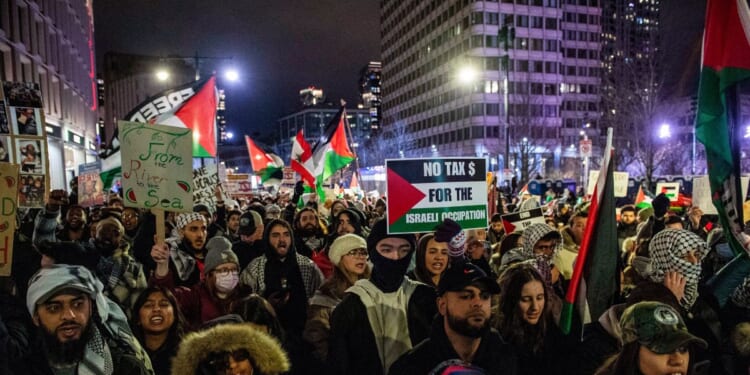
x=353 y=149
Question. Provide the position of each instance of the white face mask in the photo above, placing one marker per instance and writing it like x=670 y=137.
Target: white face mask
x=227 y=283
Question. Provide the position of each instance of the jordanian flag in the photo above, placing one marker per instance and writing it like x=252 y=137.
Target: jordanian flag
x=594 y=284
x=726 y=61
x=332 y=152
x=302 y=159
x=192 y=106
x=269 y=167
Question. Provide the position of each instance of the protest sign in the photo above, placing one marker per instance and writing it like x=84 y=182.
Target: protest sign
x=9 y=183
x=239 y=184
x=521 y=220
x=670 y=189
x=621 y=183
x=205 y=181
x=156 y=166
x=702 y=194
x=90 y=186
x=423 y=192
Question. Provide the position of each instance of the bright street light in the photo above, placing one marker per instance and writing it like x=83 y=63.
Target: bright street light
x=665 y=131
x=162 y=75
x=230 y=135
x=232 y=75
x=467 y=74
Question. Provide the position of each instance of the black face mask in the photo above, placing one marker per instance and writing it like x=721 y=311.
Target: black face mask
x=388 y=274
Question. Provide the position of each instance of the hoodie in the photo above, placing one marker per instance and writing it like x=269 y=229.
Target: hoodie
x=266 y=353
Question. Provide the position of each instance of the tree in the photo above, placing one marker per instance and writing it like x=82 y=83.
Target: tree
x=390 y=142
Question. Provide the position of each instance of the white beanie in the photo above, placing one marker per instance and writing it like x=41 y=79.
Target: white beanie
x=343 y=245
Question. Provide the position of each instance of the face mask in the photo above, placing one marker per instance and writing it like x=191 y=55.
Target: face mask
x=227 y=283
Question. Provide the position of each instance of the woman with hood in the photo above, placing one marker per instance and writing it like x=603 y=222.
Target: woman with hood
x=431 y=260
x=349 y=254
x=238 y=349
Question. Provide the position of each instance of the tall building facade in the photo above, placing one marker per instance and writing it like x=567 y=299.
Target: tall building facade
x=552 y=74
x=370 y=93
x=51 y=43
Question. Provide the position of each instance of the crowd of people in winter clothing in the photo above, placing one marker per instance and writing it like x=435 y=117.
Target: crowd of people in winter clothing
x=269 y=286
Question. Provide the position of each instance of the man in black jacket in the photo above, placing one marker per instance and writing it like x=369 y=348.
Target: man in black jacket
x=461 y=338
x=383 y=317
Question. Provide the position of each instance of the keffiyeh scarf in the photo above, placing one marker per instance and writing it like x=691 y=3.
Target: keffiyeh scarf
x=666 y=250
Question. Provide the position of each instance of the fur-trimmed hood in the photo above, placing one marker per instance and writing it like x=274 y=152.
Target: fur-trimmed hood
x=266 y=352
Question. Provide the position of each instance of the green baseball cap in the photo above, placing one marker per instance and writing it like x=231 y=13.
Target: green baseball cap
x=656 y=326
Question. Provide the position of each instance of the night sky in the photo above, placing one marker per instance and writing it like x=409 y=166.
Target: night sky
x=278 y=46
x=282 y=46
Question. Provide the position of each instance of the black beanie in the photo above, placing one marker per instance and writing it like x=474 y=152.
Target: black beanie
x=380 y=231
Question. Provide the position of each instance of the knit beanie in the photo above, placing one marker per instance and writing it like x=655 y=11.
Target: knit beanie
x=343 y=245
x=219 y=252
x=387 y=274
x=450 y=231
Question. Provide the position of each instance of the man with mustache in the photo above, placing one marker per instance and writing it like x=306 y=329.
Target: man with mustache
x=82 y=331
x=309 y=236
x=74 y=227
x=284 y=277
x=121 y=274
x=461 y=336
x=188 y=249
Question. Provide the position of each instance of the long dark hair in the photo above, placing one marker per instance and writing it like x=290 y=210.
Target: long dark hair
x=257 y=310
x=627 y=362
x=420 y=268
x=176 y=331
x=509 y=321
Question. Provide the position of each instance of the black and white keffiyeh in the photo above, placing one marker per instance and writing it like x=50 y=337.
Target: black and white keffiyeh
x=666 y=250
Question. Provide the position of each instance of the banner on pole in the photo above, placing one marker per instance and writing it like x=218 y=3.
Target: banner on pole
x=156 y=166
x=621 y=183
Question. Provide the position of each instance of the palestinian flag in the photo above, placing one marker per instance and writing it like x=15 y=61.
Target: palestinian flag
x=269 y=167
x=332 y=151
x=726 y=61
x=302 y=160
x=192 y=106
x=595 y=281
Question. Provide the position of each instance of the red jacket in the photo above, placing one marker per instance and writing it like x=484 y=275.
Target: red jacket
x=197 y=303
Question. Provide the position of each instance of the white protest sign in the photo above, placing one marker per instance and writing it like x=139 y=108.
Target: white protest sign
x=621 y=183
x=522 y=220
x=702 y=194
x=423 y=192
x=156 y=166
x=205 y=180
x=670 y=189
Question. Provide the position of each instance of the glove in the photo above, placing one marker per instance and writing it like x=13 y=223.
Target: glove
x=661 y=205
x=299 y=189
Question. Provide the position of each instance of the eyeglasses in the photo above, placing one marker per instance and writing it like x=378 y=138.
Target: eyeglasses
x=220 y=361
x=226 y=271
x=358 y=253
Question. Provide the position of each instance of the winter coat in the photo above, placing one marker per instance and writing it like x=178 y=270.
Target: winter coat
x=352 y=348
x=318 y=326
x=266 y=353
x=198 y=305
x=493 y=355
x=46 y=226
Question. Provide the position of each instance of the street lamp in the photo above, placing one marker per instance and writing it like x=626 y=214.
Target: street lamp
x=467 y=75
x=664 y=131
x=232 y=75
x=230 y=135
x=162 y=75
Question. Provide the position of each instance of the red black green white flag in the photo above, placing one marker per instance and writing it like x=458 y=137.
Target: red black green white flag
x=595 y=280
x=269 y=167
x=331 y=153
x=726 y=62
x=302 y=159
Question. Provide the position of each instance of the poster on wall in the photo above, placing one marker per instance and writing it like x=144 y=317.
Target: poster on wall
x=23 y=140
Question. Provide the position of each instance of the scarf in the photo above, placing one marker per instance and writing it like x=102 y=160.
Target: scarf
x=666 y=250
x=110 y=323
x=183 y=262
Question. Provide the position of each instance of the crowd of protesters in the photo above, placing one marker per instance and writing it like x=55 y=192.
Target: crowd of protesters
x=267 y=285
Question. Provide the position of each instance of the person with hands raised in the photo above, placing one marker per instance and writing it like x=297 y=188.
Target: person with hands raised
x=74 y=226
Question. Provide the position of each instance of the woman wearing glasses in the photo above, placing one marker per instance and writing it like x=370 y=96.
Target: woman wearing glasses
x=348 y=253
x=211 y=297
x=230 y=349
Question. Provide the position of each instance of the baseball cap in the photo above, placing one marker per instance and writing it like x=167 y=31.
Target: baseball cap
x=656 y=326
x=247 y=224
x=462 y=274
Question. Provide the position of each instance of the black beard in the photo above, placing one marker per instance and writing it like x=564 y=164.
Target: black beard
x=307 y=232
x=69 y=352
x=462 y=327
